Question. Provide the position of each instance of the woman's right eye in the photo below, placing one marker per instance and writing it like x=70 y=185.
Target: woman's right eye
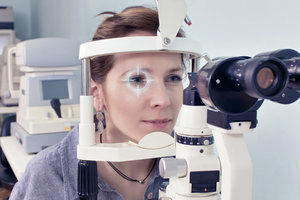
x=137 y=81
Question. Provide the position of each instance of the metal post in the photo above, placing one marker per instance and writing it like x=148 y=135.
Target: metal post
x=85 y=77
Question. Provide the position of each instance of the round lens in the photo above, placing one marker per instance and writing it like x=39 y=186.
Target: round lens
x=265 y=78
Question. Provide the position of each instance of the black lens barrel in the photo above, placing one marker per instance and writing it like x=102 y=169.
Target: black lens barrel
x=246 y=74
x=238 y=84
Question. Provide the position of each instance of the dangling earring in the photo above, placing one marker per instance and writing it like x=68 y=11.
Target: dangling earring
x=100 y=118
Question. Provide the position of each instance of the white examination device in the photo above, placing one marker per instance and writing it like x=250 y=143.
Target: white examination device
x=195 y=171
x=185 y=172
x=48 y=94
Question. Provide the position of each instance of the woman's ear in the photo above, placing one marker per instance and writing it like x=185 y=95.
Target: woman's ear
x=96 y=92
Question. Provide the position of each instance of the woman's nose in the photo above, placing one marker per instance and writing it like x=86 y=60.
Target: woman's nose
x=160 y=96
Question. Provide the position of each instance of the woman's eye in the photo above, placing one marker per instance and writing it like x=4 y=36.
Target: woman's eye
x=174 y=78
x=137 y=81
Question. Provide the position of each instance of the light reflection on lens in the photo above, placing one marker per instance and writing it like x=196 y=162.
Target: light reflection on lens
x=265 y=78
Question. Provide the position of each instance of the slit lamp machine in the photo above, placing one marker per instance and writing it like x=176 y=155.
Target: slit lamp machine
x=219 y=106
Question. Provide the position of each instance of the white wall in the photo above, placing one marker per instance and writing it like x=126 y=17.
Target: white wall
x=245 y=26
x=73 y=18
x=224 y=28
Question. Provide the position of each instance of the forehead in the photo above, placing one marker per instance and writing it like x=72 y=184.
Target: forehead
x=150 y=58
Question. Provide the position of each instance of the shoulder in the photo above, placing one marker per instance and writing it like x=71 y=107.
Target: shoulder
x=50 y=171
x=56 y=157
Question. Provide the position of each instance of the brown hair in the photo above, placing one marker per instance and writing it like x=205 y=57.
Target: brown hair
x=121 y=25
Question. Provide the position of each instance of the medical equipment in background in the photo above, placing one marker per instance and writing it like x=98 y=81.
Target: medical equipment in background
x=9 y=79
x=7 y=33
x=7 y=40
x=49 y=91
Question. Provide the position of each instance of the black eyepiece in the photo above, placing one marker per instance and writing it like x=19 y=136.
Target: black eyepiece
x=238 y=84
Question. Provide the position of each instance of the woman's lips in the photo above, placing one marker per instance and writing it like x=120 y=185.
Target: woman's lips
x=158 y=123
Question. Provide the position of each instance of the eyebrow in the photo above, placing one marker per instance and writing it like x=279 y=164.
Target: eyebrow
x=172 y=70
x=178 y=69
x=175 y=69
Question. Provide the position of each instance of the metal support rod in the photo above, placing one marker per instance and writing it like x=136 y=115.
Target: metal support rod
x=194 y=64
x=85 y=77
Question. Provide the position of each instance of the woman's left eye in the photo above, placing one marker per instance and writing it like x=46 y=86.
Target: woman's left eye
x=174 y=78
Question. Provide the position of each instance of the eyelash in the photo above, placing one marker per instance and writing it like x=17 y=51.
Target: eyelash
x=170 y=78
x=137 y=79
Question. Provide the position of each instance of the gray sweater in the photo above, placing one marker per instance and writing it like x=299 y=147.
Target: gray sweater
x=52 y=174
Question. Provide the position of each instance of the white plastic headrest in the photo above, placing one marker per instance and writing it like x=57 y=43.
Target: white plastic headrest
x=48 y=52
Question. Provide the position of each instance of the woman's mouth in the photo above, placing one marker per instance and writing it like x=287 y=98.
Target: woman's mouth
x=158 y=123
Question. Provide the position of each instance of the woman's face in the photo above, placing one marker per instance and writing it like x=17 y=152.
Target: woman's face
x=142 y=93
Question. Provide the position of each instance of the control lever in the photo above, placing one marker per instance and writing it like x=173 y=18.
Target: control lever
x=55 y=104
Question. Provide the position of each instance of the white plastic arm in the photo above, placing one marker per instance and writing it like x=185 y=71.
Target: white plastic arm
x=13 y=93
x=171 y=16
x=237 y=169
x=86 y=125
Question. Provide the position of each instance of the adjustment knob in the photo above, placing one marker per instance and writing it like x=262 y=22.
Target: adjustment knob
x=172 y=167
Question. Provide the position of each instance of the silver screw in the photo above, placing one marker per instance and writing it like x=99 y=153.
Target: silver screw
x=167 y=41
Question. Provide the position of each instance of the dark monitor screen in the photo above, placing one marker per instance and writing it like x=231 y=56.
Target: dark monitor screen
x=55 y=89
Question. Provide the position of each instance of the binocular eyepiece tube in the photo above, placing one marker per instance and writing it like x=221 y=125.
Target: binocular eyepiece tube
x=291 y=59
x=238 y=84
x=258 y=77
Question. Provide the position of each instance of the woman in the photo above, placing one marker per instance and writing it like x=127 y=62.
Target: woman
x=138 y=93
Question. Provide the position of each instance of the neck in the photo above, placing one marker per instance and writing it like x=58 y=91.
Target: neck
x=138 y=170
x=121 y=185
